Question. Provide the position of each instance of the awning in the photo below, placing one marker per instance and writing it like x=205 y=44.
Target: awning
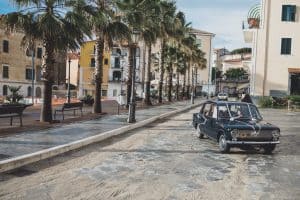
x=242 y=86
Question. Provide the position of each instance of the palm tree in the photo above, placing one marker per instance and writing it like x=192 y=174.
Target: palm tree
x=60 y=24
x=108 y=27
x=166 y=17
x=150 y=32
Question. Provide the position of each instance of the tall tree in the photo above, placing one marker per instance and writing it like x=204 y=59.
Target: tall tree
x=166 y=17
x=108 y=26
x=60 y=25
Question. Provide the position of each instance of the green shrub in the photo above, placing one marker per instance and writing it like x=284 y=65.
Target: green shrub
x=265 y=102
x=294 y=98
x=14 y=97
x=88 y=99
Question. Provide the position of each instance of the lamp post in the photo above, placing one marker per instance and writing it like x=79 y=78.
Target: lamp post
x=132 y=63
x=69 y=95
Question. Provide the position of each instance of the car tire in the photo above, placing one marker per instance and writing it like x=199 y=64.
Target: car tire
x=223 y=145
x=268 y=149
x=200 y=134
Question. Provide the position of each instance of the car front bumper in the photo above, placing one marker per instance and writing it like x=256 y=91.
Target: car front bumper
x=253 y=142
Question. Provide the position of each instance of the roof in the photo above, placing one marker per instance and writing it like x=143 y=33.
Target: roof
x=200 y=32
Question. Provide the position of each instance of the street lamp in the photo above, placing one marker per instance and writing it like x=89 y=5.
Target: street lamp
x=69 y=96
x=132 y=63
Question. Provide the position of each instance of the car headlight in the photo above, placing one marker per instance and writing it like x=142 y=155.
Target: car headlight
x=276 y=135
x=234 y=134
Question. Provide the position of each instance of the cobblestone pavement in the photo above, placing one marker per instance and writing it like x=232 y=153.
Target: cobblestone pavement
x=165 y=160
x=31 y=141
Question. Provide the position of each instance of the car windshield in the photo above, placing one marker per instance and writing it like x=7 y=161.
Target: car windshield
x=238 y=111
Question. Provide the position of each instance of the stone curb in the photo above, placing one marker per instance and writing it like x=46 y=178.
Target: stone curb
x=16 y=162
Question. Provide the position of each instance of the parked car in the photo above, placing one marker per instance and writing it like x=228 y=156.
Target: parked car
x=222 y=97
x=235 y=124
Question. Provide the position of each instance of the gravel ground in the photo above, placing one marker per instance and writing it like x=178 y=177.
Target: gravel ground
x=165 y=160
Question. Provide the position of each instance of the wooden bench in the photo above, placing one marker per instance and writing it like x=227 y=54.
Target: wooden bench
x=69 y=107
x=11 y=111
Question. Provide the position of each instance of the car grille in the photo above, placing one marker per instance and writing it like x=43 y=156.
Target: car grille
x=251 y=135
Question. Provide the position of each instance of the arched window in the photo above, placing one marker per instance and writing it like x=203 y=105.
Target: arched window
x=38 y=92
x=29 y=91
x=5 y=90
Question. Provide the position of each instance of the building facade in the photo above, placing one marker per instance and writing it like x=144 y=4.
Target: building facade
x=204 y=76
x=18 y=67
x=87 y=64
x=274 y=32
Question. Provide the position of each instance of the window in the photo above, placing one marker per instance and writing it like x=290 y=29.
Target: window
x=286 y=44
x=28 y=74
x=5 y=46
x=5 y=72
x=38 y=92
x=105 y=61
x=288 y=13
x=5 y=90
x=116 y=76
x=115 y=92
x=39 y=52
x=117 y=62
x=104 y=93
x=29 y=91
x=93 y=62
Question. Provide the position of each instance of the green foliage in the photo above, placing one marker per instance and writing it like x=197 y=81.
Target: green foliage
x=14 y=97
x=88 y=99
x=265 y=102
x=241 y=51
x=236 y=73
x=294 y=98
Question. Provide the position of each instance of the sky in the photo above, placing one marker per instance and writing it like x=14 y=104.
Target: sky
x=221 y=17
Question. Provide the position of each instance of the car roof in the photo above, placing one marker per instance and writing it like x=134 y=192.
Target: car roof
x=227 y=102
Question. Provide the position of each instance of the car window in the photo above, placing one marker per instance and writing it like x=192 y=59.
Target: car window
x=214 y=114
x=255 y=113
x=206 y=109
x=223 y=112
x=239 y=110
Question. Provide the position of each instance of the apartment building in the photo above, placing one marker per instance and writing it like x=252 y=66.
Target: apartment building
x=16 y=65
x=274 y=32
x=87 y=64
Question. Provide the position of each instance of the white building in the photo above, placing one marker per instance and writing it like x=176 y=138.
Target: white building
x=274 y=32
x=204 y=76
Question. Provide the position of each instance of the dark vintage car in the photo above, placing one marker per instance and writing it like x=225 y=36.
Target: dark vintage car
x=235 y=124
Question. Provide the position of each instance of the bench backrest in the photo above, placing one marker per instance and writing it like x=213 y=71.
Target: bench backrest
x=11 y=109
x=73 y=105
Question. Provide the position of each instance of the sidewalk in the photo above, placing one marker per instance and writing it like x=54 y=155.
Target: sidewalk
x=29 y=142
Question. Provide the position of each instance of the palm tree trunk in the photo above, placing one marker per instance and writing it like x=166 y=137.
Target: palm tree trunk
x=162 y=71
x=177 y=86
x=129 y=79
x=46 y=110
x=183 y=86
x=189 y=81
x=98 y=72
x=170 y=82
x=148 y=74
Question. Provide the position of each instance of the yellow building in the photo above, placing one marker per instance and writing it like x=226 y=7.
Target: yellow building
x=87 y=70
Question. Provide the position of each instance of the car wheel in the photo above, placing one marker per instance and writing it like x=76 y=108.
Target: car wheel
x=268 y=149
x=223 y=146
x=200 y=134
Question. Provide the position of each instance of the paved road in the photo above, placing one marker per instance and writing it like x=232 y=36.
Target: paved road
x=165 y=160
x=32 y=141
